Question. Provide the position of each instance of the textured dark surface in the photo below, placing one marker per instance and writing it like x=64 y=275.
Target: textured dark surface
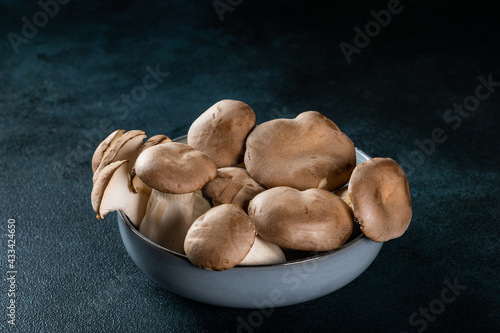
x=282 y=58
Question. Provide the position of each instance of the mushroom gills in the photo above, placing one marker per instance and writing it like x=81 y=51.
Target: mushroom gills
x=117 y=195
x=128 y=151
x=104 y=147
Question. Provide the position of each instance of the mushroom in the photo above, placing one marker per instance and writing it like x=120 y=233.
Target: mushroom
x=174 y=171
x=220 y=239
x=310 y=220
x=139 y=186
x=220 y=132
x=124 y=147
x=155 y=140
x=263 y=253
x=137 y=183
x=232 y=185
x=112 y=192
x=380 y=198
x=343 y=193
x=104 y=147
x=306 y=152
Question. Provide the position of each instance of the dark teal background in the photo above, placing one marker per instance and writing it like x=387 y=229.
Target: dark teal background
x=281 y=57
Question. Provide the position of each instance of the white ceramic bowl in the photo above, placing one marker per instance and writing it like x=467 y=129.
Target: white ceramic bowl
x=261 y=286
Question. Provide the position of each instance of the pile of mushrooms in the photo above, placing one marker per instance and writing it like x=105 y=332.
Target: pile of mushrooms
x=241 y=194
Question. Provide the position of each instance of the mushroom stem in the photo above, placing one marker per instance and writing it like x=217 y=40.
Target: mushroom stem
x=169 y=217
x=263 y=253
x=344 y=195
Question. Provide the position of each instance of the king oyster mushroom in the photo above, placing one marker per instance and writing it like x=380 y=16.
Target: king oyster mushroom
x=380 y=199
x=220 y=132
x=307 y=152
x=175 y=172
x=137 y=183
x=310 y=220
x=112 y=191
x=118 y=147
x=104 y=147
x=232 y=185
x=220 y=239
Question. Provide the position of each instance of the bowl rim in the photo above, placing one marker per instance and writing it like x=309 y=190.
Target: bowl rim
x=360 y=238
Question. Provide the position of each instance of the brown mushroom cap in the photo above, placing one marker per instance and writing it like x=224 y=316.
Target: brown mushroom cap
x=151 y=142
x=306 y=152
x=155 y=140
x=104 y=146
x=380 y=198
x=121 y=147
x=232 y=185
x=220 y=132
x=175 y=168
x=311 y=220
x=220 y=239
